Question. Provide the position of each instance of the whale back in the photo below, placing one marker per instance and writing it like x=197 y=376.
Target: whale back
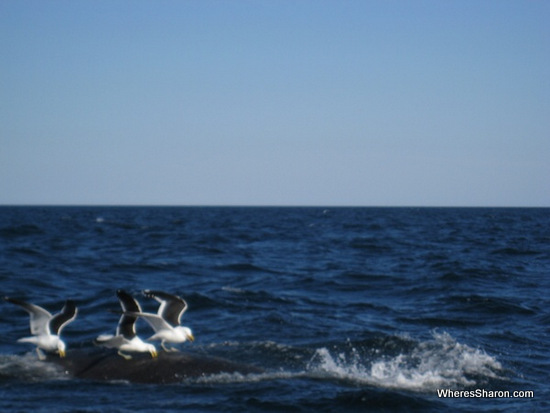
x=141 y=368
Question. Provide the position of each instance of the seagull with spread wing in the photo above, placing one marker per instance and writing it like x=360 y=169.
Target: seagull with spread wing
x=45 y=328
x=167 y=321
x=126 y=338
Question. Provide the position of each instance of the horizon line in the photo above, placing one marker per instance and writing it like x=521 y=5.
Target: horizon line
x=162 y=205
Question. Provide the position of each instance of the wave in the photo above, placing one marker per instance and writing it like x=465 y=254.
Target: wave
x=478 y=304
x=23 y=230
x=516 y=251
x=440 y=362
x=245 y=267
x=370 y=244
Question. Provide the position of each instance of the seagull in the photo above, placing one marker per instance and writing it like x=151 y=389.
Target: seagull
x=126 y=338
x=45 y=328
x=166 y=322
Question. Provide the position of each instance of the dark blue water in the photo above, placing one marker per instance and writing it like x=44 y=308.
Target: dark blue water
x=346 y=309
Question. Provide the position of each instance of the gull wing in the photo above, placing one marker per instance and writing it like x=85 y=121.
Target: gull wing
x=127 y=323
x=39 y=317
x=110 y=341
x=127 y=326
x=171 y=307
x=60 y=320
x=154 y=320
x=127 y=302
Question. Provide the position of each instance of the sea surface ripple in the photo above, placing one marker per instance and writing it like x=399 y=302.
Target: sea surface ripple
x=346 y=309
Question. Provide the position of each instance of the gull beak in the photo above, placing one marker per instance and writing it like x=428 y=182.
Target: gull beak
x=191 y=337
x=154 y=353
x=61 y=353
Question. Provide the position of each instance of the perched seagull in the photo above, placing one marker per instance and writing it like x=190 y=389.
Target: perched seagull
x=45 y=328
x=166 y=322
x=126 y=338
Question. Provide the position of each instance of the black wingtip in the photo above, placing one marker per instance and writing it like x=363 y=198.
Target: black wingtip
x=121 y=293
x=14 y=301
x=125 y=297
x=70 y=307
x=128 y=302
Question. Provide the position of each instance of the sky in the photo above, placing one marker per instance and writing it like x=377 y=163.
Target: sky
x=275 y=102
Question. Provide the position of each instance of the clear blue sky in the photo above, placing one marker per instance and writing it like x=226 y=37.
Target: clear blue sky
x=425 y=103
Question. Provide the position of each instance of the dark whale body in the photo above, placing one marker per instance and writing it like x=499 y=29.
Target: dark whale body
x=166 y=368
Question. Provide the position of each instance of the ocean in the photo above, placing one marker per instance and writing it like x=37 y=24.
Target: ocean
x=343 y=309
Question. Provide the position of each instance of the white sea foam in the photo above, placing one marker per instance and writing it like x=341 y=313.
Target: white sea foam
x=28 y=368
x=228 y=378
x=432 y=364
x=233 y=290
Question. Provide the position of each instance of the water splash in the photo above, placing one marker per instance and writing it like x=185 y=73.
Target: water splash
x=28 y=368
x=432 y=364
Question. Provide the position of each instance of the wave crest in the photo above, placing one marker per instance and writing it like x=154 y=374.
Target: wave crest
x=440 y=362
